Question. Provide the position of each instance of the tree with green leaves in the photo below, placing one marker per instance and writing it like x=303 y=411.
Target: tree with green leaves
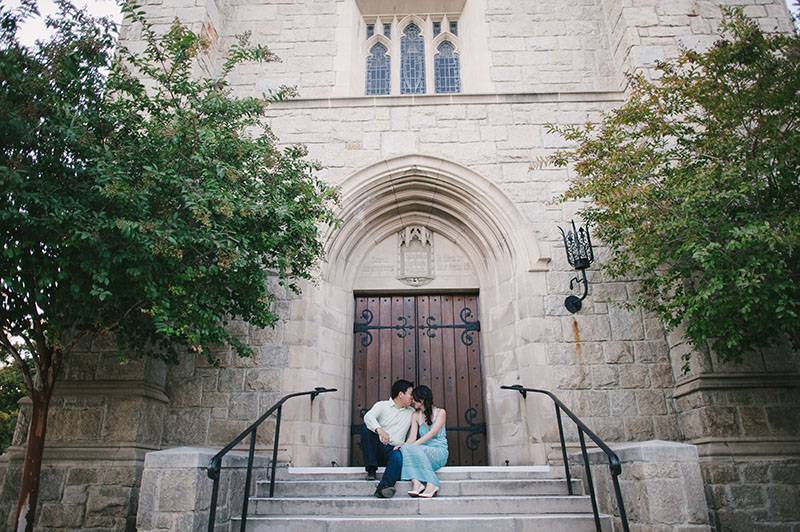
x=694 y=186
x=137 y=200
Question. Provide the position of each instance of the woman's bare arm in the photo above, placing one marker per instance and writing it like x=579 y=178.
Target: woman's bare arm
x=441 y=417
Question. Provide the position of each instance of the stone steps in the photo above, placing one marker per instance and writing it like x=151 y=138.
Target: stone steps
x=471 y=499
x=446 y=473
x=432 y=523
x=449 y=488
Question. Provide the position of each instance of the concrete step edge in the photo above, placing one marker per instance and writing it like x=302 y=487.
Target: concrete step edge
x=361 y=498
x=437 y=517
x=455 y=469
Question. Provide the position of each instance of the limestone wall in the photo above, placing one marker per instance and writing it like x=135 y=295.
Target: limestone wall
x=753 y=494
x=645 y=31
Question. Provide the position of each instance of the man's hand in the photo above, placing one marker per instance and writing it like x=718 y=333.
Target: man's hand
x=383 y=435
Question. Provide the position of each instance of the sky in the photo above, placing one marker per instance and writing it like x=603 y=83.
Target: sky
x=36 y=29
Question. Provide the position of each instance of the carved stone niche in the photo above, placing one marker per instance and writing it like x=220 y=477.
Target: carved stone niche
x=415 y=259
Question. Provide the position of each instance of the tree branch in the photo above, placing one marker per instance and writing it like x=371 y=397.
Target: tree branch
x=6 y=343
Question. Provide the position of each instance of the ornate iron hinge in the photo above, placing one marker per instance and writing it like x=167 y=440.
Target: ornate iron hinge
x=430 y=327
x=403 y=327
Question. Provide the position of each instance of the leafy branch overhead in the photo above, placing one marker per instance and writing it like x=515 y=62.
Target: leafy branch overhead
x=694 y=187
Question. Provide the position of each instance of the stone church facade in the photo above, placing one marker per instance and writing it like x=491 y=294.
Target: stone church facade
x=427 y=115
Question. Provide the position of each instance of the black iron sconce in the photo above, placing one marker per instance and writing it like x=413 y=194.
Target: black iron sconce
x=578 y=245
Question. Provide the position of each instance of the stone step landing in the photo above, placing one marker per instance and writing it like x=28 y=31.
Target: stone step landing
x=471 y=499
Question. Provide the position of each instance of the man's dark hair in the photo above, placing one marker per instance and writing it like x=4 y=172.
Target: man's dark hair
x=400 y=385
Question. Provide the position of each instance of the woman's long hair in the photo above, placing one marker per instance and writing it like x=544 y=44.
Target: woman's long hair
x=424 y=395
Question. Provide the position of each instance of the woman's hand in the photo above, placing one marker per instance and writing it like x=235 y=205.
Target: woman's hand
x=396 y=447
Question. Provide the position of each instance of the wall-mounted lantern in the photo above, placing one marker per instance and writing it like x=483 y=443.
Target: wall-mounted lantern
x=578 y=245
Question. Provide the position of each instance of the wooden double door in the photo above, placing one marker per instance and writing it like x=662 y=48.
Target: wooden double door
x=427 y=339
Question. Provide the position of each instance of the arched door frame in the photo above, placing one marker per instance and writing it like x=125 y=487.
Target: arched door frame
x=459 y=204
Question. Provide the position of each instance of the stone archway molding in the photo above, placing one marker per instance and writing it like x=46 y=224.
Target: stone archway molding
x=451 y=199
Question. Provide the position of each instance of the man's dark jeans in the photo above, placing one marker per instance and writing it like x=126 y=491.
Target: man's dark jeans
x=377 y=454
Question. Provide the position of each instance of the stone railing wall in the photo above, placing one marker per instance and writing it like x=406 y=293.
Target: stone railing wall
x=661 y=484
x=176 y=491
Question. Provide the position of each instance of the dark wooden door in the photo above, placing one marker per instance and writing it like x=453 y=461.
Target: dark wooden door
x=427 y=339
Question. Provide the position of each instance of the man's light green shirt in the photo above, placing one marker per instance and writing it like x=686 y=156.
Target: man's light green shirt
x=395 y=421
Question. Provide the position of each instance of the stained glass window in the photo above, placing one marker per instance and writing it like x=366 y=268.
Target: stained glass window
x=447 y=69
x=437 y=28
x=370 y=30
x=378 y=79
x=454 y=27
x=412 y=61
x=387 y=31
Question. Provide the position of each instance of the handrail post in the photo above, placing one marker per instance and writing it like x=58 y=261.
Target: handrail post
x=564 y=450
x=623 y=516
x=589 y=480
x=275 y=451
x=247 y=480
x=212 y=514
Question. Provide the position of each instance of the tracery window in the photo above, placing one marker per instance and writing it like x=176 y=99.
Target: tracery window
x=412 y=61
x=447 y=69
x=425 y=55
x=378 y=78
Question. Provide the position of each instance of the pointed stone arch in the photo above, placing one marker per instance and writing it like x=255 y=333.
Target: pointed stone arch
x=459 y=204
x=451 y=199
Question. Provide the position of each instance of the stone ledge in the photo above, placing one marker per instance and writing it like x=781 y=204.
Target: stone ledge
x=198 y=457
x=723 y=381
x=99 y=452
x=442 y=99
x=112 y=389
x=748 y=448
x=649 y=451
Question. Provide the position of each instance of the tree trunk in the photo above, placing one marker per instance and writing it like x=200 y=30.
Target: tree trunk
x=29 y=489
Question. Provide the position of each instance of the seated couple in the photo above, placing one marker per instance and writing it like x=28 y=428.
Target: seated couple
x=406 y=433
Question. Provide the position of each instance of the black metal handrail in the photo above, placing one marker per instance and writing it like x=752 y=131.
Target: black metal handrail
x=216 y=462
x=613 y=460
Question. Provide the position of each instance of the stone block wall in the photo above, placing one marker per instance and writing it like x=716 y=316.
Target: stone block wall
x=211 y=405
x=549 y=46
x=105 y=415
x=661 y=486
x=643 y=32
x=759 y=494
x=176 y=490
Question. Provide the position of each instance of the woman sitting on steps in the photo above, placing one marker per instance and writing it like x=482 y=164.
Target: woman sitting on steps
x=425 y=450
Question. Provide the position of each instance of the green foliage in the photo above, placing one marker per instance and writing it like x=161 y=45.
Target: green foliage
x=12 y=389
x=693 y=186
x=150 y=203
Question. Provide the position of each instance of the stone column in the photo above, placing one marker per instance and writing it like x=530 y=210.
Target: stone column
x=104 y=416
x=746 y=425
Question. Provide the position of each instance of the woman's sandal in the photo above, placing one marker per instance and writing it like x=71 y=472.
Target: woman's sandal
x=416 y=492
x=428 y=495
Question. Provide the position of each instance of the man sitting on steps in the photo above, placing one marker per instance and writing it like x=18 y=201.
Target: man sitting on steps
x=386 y=426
